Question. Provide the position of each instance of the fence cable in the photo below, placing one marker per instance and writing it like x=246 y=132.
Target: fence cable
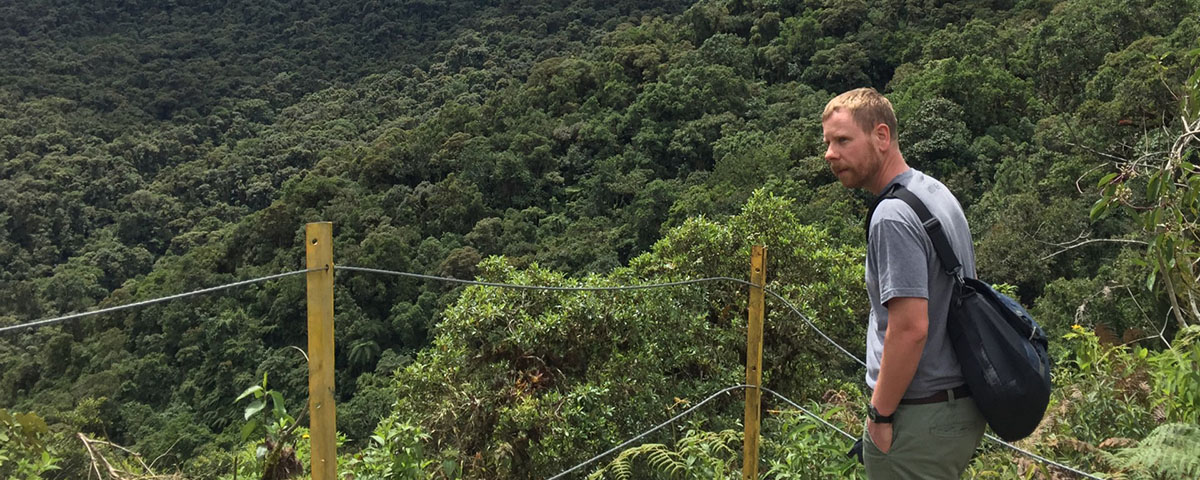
x=544 y=287
x=49 y=321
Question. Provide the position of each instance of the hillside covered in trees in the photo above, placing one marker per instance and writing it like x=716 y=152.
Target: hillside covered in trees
x=152 y=148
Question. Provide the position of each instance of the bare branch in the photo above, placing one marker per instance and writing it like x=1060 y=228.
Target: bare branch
x=135 y=455
x=1161 y=332
x=92 y=454
x=295 y=423
x=1094 y=240
x=156 y=459
x=1171 y=294
x=1114 y=158
x=115 y=473
x=1192 y=301
x=1082 y=235
x=1084 y=174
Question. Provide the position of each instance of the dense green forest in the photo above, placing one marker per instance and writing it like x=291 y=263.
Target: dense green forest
x=152 y=148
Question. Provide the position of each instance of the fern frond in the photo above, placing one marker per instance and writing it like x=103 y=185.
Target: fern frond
x=664 y=460
x=621 y=467
x=698 y=453
x=1172 y=451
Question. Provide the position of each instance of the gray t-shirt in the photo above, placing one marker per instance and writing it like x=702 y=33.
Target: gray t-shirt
x=901 y=262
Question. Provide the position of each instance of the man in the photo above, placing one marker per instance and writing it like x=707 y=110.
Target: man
x=922 y=423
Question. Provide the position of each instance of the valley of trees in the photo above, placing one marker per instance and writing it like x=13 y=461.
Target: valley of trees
x=151 y=148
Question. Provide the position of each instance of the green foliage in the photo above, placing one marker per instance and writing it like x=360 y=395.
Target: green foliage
x=277 y=452
x=395 y=452
x=24 y=453
x=1074 y=39
x=1107 y=393
x=796 y=446
x=1176 y=373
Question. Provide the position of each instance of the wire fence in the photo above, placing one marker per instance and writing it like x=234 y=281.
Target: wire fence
x=545 y=287
x=788 y=304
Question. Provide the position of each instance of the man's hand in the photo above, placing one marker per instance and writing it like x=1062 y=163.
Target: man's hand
x=881 y=435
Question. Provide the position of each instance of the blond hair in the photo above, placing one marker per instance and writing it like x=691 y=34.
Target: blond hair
x=866 y=106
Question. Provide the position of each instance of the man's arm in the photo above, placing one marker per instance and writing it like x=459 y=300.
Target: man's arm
x=908 y=325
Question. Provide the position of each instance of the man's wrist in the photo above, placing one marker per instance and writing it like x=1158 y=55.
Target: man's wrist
x=876 y=417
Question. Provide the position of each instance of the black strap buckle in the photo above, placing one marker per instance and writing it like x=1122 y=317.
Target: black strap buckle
x=932 y=224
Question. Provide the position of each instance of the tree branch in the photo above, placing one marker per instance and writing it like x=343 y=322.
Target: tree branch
x=1161 y=332
x=161 y=456
x=1171 y=294
x=1085 y=242
x=92 y=455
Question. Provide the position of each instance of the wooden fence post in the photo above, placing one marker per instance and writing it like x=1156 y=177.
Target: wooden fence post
x=323 y=419
x=754 y=338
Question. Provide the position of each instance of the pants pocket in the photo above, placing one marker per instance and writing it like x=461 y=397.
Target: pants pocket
x=872 y=449
x=953 y=430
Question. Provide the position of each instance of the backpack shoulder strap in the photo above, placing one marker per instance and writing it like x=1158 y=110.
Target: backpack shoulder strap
x=933 y=227
x=871 y=212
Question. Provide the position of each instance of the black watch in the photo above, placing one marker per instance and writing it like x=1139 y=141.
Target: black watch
x=875 y=417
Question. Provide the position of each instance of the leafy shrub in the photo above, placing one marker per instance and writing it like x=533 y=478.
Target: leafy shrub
x=797 y=446
x=1176 y=373
x=278 y=451
x=396 y=452
x=23 y=452
x=1104 y=391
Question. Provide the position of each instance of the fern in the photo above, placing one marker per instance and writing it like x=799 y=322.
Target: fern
x=621 y=467
x=1171 y=451
x=665 y=460
x=699 y=454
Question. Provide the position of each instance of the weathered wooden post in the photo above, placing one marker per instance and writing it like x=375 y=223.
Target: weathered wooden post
x=754 y=338
x=323 y=419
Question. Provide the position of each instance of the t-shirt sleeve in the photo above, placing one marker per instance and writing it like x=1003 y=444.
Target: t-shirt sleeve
x=898 y=251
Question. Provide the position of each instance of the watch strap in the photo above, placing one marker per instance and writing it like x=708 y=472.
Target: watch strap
x=875 y=417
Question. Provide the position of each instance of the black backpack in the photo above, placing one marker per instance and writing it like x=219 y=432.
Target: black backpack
x=1001 y=349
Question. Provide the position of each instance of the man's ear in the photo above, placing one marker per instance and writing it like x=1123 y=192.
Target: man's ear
x=882 y=136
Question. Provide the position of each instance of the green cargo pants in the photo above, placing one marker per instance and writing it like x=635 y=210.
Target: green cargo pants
x=930 y=441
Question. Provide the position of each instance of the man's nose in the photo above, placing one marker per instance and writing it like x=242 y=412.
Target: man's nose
x=829 y=153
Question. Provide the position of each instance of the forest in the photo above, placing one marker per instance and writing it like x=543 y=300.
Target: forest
x=154 y=148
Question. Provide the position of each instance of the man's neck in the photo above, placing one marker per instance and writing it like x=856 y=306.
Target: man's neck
x=893 y=165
